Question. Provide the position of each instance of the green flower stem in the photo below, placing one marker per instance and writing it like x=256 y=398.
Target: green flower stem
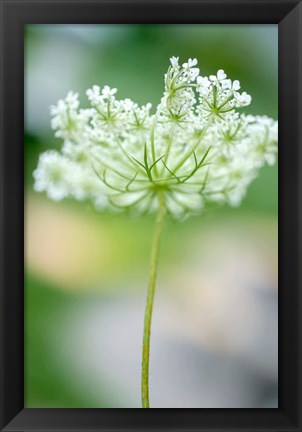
x=150 y=298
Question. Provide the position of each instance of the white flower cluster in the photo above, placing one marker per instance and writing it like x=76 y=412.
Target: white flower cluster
x=195 y=149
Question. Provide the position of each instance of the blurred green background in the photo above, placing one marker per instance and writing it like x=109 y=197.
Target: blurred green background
x=214 y=338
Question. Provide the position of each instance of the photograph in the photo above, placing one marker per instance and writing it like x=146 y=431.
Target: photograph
x=151 y=216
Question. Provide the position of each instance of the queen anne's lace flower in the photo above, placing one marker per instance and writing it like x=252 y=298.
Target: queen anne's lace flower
x=195 y=149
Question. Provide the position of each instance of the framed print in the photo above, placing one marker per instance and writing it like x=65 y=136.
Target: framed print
x=150 y=189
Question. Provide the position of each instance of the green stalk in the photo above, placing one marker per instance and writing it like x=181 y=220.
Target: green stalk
x=150 y=299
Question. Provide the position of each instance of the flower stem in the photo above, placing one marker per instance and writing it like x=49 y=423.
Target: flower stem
x=150 y=298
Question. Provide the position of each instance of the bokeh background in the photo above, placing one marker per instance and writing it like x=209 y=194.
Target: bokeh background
x=215 y=324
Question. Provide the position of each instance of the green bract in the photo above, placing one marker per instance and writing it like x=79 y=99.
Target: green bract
x=195 y=149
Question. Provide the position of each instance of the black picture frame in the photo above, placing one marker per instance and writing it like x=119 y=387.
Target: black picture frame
x=14 y=15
